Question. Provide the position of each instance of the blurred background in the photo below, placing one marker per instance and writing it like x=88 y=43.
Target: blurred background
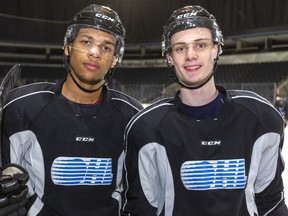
x=255 y=55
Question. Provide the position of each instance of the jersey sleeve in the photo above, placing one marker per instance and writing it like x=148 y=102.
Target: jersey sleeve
x=10 y=125
x=135 y=201
x=148 y=173
x=269 y=195
x=265 y=185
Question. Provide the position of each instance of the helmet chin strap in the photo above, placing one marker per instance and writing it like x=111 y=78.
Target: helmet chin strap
x=68 y=65
x=174 y=77
x=90 y=90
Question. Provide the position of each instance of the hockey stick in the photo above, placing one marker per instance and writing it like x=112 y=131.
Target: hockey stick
x=8 y=83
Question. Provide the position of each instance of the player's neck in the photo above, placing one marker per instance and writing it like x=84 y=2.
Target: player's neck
x=73 y=93
x=199 y=97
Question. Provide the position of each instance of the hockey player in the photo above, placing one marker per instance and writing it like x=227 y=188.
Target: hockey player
x=69 y=135
x=208 y=151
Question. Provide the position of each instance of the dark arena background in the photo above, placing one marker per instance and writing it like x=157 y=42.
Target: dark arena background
x=255 y=55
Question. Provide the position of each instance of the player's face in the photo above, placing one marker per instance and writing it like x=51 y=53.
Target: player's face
x=193 y=54
x=91 y=55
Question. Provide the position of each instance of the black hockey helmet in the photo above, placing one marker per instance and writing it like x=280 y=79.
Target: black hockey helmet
x=98 y=17
x=190 y=17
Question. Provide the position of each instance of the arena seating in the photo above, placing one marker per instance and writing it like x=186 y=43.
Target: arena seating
x=151 y=84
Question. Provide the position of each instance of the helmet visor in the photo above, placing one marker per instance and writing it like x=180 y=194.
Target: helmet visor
x=188 y=23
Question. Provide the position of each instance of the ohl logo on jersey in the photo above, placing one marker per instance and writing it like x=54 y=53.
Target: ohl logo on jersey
x=214 y=174
x=69 y=171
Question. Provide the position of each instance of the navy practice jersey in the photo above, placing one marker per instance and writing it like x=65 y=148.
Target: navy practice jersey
x=228 y=166
x=73 y=152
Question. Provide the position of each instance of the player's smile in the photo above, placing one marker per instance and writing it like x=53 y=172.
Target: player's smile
x=192 y=68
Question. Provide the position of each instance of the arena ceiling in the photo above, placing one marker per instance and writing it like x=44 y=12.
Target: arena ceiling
x=36 y=27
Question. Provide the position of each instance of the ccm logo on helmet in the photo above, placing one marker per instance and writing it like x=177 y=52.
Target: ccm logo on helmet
x=105 y=17
x=186 y=15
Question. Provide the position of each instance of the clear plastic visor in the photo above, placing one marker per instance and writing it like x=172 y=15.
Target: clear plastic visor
x=188 y=23
x=99 y=45
x=198 y=46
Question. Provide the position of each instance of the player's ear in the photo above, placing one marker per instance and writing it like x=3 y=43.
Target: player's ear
x=67 y=50
x=215 y=51
x=114 y=61
x=169 y=59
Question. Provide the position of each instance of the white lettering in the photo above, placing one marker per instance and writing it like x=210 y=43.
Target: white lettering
x=211 y=143
x=185 y=15
x=105 y=17
x=85 y=139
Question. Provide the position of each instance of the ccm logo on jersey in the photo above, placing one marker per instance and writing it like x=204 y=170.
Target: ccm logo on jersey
x=211 y=143
x=84 y=139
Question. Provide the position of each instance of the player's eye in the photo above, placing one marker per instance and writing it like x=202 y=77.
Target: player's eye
x=179 y=48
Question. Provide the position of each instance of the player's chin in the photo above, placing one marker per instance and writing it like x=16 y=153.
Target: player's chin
x=95 y=82
x=91 y=80
x=191 y=81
